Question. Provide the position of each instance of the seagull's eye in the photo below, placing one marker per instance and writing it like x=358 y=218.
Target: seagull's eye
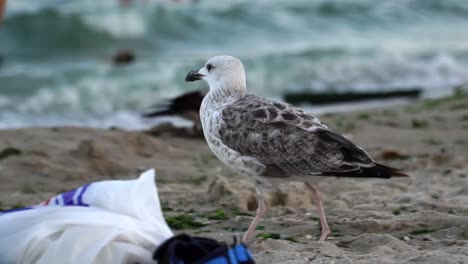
x=209 y=67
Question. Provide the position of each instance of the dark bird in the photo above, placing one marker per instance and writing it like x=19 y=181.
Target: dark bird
x=186 y=105
x=123 y=57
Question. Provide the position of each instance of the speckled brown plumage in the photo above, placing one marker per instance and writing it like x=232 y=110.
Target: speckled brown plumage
x=259 y=137
x=289 y=142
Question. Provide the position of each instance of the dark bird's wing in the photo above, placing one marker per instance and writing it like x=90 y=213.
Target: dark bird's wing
x=187 y=102
x=288 y=142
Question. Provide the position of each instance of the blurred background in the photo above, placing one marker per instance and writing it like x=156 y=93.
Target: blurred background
x=56 y=65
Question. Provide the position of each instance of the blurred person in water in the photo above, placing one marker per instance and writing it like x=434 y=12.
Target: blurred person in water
x=2 y=10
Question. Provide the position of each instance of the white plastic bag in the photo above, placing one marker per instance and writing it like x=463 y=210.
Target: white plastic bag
x=103 y=222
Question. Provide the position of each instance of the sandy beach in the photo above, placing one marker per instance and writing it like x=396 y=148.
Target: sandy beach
x=422 y=219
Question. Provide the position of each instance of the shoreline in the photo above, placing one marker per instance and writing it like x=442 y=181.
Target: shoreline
x=132 y=121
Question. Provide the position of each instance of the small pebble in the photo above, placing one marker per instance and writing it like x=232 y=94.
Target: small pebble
x=406 y=238
x=308 y=237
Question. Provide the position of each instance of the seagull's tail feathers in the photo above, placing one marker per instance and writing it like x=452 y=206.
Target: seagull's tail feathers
x=375 y=171
x=382 y=171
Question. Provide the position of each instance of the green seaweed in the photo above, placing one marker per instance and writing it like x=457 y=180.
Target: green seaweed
x=431 y=104
x=314 y=218
x=389 y=113
x=260 y=227
x=237 y=211
x=15 y=206
x=459 y=106
x=416 y=123
x=166 y=208
x=276 y=236
x=292 y=239
x=402 y=157
x=235 y=229
x=363 y=116
x=329 y=115
x=422 y=155
x=396 y=211
x=269 y=235
x=218 y=215
x=464 y=235
x=421 y=231
x=432 y=141
x=458 y=95
x=346 y=127
x=18 y=206
x=336 y=233
x=9 y=151
x=180 y=222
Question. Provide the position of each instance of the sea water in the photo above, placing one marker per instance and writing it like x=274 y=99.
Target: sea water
x=56 y=67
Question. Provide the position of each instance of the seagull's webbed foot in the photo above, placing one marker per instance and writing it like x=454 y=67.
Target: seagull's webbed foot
x=261 y=211
x=326 y=231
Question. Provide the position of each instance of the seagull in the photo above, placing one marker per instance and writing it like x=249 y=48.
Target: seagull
x=265 y=139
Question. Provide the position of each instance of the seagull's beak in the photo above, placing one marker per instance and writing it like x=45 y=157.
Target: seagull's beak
x=194 y=76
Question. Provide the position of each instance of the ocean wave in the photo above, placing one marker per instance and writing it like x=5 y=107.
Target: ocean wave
x=57 y=67
x=109 y=90
x=50 y=30
x=89 y=25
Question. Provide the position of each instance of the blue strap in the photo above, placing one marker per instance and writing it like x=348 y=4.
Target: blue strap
x=186 y=249
x=218 y=260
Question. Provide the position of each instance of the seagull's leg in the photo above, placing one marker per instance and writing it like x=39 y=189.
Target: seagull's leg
x=326 y=231
x=261 y=210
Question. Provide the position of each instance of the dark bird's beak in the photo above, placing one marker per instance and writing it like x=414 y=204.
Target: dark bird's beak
x=193 y=76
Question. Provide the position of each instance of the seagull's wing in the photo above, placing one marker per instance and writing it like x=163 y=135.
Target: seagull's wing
x=288 y=141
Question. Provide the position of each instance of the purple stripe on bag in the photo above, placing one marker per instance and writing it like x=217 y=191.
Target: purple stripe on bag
x=64 y=199
x=68 y=197
x=80 y=197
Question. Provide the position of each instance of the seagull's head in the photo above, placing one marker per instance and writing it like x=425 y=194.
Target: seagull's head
x=221 y=72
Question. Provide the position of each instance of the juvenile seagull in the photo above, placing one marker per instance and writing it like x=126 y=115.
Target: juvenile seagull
x=261 y=138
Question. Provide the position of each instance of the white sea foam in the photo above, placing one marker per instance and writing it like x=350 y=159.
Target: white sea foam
x=120 y=119
x=120 y=23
